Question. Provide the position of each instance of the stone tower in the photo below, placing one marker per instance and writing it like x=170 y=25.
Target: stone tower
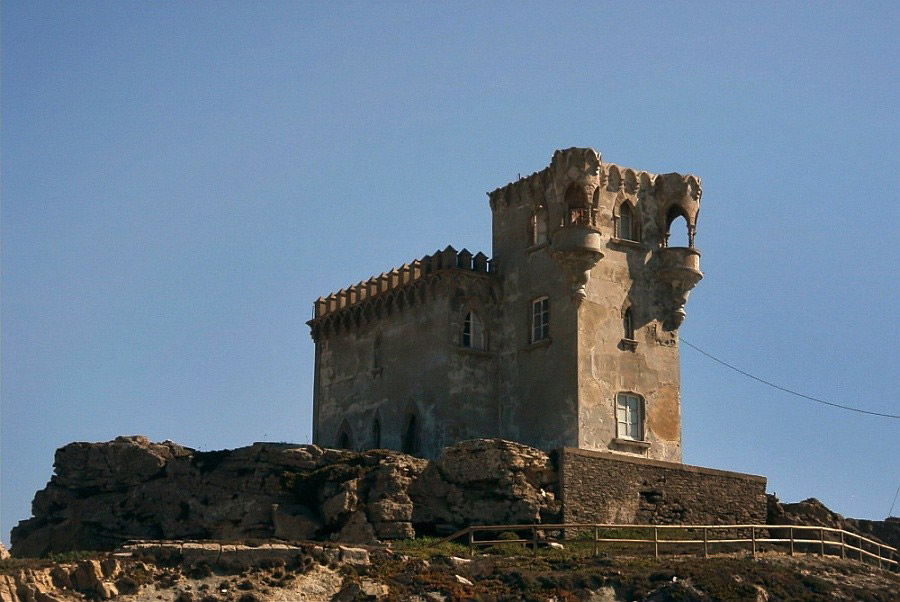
x=566 y=338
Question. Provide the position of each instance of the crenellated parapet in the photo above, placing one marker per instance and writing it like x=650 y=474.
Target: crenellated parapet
x=578 y=186
x=402 y=287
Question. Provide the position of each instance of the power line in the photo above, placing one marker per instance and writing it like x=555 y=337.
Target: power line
x=786 y=390
x=891 y=511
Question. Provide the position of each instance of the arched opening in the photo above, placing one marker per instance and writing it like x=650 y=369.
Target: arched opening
x=410 y=443
x=376 y=433
x=376 y=353
x=626 y=225
x=473 y=332
x=578 y=206
x=344 y=439
x=677 y=234
x=628 y=324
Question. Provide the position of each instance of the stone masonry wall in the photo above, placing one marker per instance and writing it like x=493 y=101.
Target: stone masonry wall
x=607 y=488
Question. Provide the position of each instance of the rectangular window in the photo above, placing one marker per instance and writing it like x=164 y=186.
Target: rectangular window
x=629 y=416
x=540 y=319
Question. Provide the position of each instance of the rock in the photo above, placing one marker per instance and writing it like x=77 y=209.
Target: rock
x=359 y=556
x=4 y=553
x=61 y=577
x=110 y=567
x=458 y=562
x=388 y=510
x=338 y=506
x=356 y=530
x=604 y=594
x=462 y=580
x=295 y=522
x=373 y=590
x=106 y=590
x=104 y=494
x=394 y=530
x=111 y=466
x=553 y=545
x=87 y=576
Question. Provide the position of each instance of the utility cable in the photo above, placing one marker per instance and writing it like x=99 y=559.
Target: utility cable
x=891 y=511
x=786 y=390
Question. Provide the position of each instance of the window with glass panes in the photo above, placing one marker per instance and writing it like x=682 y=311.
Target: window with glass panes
x=626 y=223
x=473 y=332
x=540 y=319
x=629 y=416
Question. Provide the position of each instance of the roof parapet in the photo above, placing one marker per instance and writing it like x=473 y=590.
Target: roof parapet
x=406 y=274
x=611 y=176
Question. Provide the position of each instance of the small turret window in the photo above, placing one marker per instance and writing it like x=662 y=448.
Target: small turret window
x=628 y=324
x=630 y=416
x=473 y=332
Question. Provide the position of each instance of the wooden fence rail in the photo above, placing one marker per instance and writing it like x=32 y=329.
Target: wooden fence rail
x=837 y=541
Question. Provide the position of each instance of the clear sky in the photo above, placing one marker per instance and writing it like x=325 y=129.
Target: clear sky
x=181 y=180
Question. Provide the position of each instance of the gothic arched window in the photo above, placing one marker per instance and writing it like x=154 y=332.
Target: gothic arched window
x=376 y=433
x=410 y=443
x=473 y=332
x=345 y=436
x=626 y=227
x=678 y=229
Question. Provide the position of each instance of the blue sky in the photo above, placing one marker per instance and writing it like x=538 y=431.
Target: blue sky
x=181 y=180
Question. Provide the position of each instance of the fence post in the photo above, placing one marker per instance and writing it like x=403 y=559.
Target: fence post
x=861 y=549
x=596 y=536
x=843 y=550
x=822 y=540
x=534 y=541
x=879 y=556
x=656 y=542
x=705 y=544
x=792 y=540
x=753 y=539
x=471 y=543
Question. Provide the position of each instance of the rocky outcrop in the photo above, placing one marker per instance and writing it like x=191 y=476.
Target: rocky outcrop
x=813 y=512
x=103 y=494
x=486 y=481
x=195 y=572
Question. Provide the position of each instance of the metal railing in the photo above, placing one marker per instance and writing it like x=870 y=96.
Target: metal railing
x=791 y=538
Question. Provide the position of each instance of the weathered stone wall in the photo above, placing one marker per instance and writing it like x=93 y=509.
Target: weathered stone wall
x=607 y=488
x=386 y=361
x=538 y=393
x=574 y=403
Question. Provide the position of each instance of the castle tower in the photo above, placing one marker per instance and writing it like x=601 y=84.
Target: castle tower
x=592 y=300
x=567 y=338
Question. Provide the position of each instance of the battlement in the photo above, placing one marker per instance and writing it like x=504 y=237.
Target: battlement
x=574 y=164
x=387 y=284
